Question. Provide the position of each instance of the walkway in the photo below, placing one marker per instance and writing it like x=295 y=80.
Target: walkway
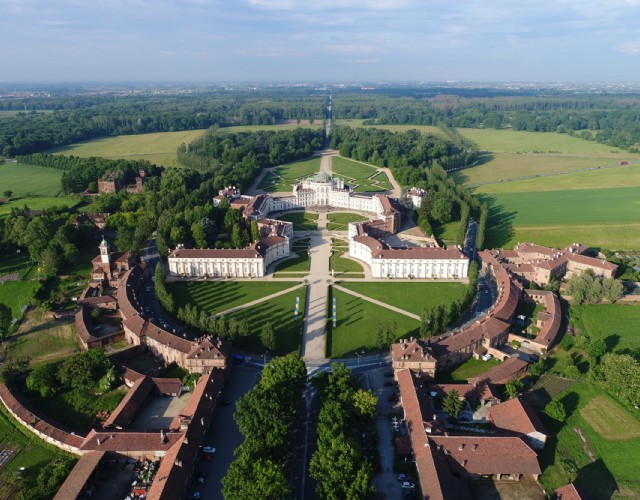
x=377 y=302
x=258 y=301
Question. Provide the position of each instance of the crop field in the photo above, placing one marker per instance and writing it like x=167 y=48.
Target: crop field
x=609 y=218
x=39 y=203
x=29 y=181
x=393 y=128
x=217 y=296
x=547 y=388
x=413 y=297
x=614 y=469
x=356 y=326
x=610 y=420
x=159 y=148
x=284 y=177
x=617 y=324
x=366 y=177
x=279 y=312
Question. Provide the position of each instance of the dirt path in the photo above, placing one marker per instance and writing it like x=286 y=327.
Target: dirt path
x=585 y=445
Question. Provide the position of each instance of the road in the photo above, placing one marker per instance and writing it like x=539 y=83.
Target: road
x=470 y=239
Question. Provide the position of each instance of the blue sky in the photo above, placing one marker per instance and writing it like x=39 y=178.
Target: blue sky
x=316 y=40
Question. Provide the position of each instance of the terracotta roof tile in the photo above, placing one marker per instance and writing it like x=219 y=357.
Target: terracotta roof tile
x=516 y=415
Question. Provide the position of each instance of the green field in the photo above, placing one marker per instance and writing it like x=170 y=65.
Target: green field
x=284 y=177
x=14 y=263
x=340 y=265
x=159 y=148
x=299 y=264
x=285 y=125
x=17 y=294
x=338 y=221
x=27 y=181
x=364 y=176
x=302 y=221
x=470 y=368
x=356 y=326
x=615 y=469
x=617 y=324
x=279 y=312
x=410 y=296
x=608 y=217
x=39 y=203
x=217 y=296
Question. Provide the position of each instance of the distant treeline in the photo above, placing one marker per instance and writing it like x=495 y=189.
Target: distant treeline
x=82 y=118
x=240 y=156
x=80 y=174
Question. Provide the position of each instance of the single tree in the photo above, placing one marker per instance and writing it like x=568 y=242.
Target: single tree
x=5 y=320
x=596 y=349
x=8 y=194
x=513 y=387
x=555 y=409
x=365 y=403
x=452 y=403
x=268 y=337
x=379 y=335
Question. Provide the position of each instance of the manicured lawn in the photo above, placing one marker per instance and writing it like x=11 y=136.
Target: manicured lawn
x=279 y=312
x=359 y=173
x=340 y=264
x=302 y=221
x=39 y=203
x=339 y=221
x=284 y=177
x=29 y=181
x=413 y=297
x=394 y=128
x=30 y=452
x=299 y=263
x=356 y=326
x=617 y=324
x=159 y=148
x=40 y=339
x=470 y=368
x=16 y=294
x=607 y=217
x=447 y=232
x=174 y=371
x=616 y=465
x=217 y=296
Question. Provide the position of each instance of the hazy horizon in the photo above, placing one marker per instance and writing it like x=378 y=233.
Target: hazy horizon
x=350 y=41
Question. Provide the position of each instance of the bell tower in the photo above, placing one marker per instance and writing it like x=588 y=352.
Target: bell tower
x=104 y=251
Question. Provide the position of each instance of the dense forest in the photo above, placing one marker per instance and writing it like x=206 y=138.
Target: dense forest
x=78 y=118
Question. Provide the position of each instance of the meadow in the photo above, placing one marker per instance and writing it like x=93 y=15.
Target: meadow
x=217 y=296
x=355 y=123
x=413 y=297
x=356 y=326
x=17 y=294
x=614 y=470
x=159 y=148
x=608 y=218
x=284 y=177
x=616 y=324
x=364 y=176
x=29 y=181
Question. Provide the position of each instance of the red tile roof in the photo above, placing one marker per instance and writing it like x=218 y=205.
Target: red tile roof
x=517 y=416
x=487 y=455
x=124 y=441
x=131 y=404
x=215 y=253
x=80 y=474
x=571 y=492
x=501 y=374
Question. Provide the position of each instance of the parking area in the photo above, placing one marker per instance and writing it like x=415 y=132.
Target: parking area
x=224 y=435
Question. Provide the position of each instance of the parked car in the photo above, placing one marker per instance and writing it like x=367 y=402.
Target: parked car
x=200 y=479
x=209 y=449
x=226 y=402
x=195 y=494
x=407 y=485
x=487 y=357
x=392 y=397
x=403 y=477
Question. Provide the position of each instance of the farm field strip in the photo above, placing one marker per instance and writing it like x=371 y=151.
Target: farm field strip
x=609 y=420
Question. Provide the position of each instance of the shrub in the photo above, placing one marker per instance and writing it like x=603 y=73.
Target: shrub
x=555 y=409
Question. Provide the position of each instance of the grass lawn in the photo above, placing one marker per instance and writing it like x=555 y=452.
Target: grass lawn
x=338 y=221
x=447 y=232
x=356 y=326
x=174 y=371
x=217 y=296
x=470 y=368
x=159 y=148
x=340 y=265
x=285 y=125
x=30 y=452
x=296 y=264
x=302 y=221
x=29 y=181
x=359 y=173
x=42 y=339
x=413 y=297
x=14 y=263
x=617 y=324
x=16 y=294
x=284 y=177
x=279 y=312
x=608 y=217
x=615 y=467
x=39 y=203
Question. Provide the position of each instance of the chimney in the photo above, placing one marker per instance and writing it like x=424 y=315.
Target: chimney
x=473 y=448
x=98 y=441
x=178 y=463
x=163 y=437
x=461 y=447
